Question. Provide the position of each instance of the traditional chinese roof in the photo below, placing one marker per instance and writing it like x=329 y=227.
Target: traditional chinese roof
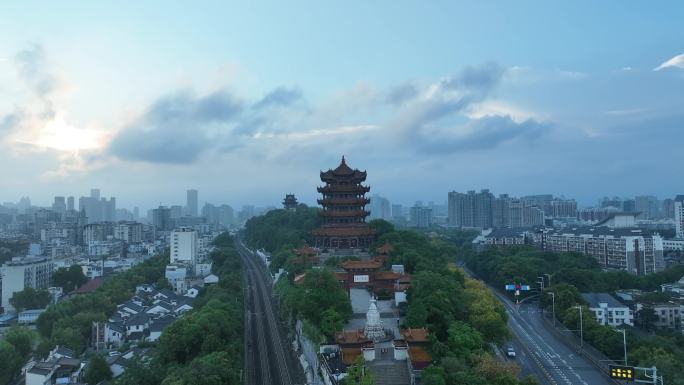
x=347 y=265
x=354 y=213
x=420 y=358
x=90 y=286
x=344 y=201
x=349 y=355
x=415 y=335
x=346 y=337
x=385 y=249
x=305 y=250
x=352 y=188
x=351 y=231
x=387 y=276
x=343 y=171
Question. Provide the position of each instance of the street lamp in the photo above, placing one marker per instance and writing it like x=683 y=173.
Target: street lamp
x=624 y=342
x=553 y=306
x=541 y=282
x=549 y=277
x=581 y=329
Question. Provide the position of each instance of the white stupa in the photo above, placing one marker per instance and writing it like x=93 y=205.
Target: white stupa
x=373 y=329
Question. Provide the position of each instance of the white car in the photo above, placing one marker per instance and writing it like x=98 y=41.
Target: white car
x=510 y=352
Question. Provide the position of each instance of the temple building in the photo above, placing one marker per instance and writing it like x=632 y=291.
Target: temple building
x=344 y=214
x=290 y=202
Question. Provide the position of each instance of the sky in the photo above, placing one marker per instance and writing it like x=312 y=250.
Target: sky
x=245 y=103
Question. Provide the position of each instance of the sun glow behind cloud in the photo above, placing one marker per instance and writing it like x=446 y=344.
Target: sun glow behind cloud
x=58 y=134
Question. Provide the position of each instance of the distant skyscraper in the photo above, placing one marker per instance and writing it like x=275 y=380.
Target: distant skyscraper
x=679 y=216
x=95 y=193
x=421 y=216
x=647 y=205
x=380 y=207
x=161 y=218
x=59 y=206
x=397 y=211
x=471 y=209
x=176 y=212
x=668 y=210
x=70 y=204
x=191 y=203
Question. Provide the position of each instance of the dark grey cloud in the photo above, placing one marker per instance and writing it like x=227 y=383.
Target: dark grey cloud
x=484 y=133
x=446 y=98
x=401 y=94
x=279 y=97
x=177 y=127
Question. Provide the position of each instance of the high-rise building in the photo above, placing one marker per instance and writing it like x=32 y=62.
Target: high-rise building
x=191 y=203
x=668 y=210
x=679 y=216
x=471 y=209
x=184 y=246
x=59 y=206
x=176 y=211
x=380 y=207
x=647 y=206
x=420 y=216
x=70 y=204
x=161 y=219
x=397 y=211
x=128 y=231
x=20 y=273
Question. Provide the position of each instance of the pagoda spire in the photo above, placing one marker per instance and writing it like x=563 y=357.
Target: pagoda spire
x=343 y=161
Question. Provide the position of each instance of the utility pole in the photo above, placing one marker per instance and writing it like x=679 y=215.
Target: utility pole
x=624 y=342
x=581 y=329
x=553 y=307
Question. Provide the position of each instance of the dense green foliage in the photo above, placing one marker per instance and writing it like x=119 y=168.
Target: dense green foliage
x=320 y=300
x=204 y=347
x=30 y=298
x=281 y=231
x=69 y=278
x=575 y=273
x=15 y=349
x=97 y=370
x=356 y=375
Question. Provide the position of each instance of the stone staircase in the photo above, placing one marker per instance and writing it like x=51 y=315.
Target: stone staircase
x=389 y=372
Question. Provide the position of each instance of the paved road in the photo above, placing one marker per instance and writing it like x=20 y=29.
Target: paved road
x=268 y=357
x=543 y=354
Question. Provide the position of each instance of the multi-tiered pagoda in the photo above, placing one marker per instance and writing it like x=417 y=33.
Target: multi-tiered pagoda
x=344 y=214
x=290 y=202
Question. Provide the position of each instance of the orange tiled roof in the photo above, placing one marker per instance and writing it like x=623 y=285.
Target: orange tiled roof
x=415 y=335
x=349 y=355
x=351 y=337
x=351 y=231
x=305 y=250
x=387 y=276
x=418 y=354
x=385 y=249
x=361 y=265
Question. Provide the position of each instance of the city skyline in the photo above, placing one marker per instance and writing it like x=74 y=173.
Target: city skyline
x=244 y=115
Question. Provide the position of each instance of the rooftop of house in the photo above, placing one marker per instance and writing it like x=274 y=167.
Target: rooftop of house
x=351 y=337
x=595 y=299
x=415 y=334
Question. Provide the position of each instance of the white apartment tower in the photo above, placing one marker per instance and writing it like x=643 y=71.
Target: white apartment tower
x=184 y=245
x=679 y=215
x=20 y=273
